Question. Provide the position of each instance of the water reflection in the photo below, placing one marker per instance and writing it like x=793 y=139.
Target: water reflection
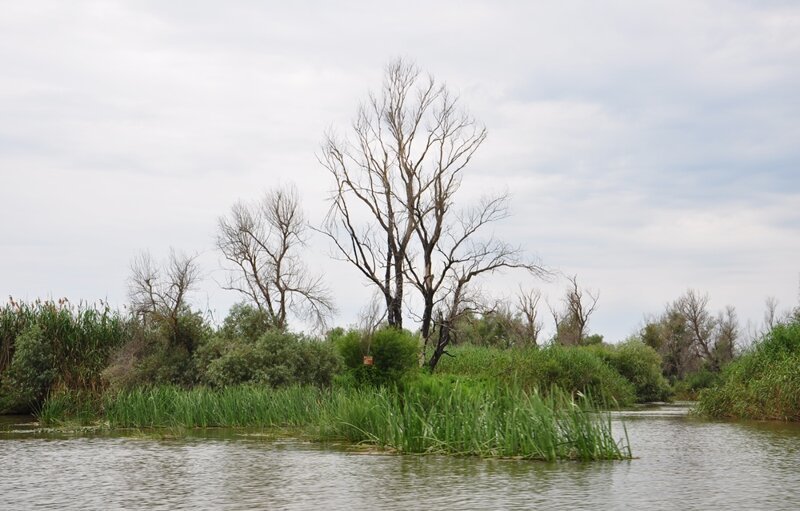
x=681 y=463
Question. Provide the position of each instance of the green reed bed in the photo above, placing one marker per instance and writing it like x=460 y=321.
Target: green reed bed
x=481 y=420
x=426 y=416
x=204 y=408
x=576 y=369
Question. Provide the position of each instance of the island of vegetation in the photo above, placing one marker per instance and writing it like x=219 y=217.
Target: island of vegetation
x=474 y=377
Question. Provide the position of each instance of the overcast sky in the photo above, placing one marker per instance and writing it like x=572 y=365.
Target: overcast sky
x=649 y=147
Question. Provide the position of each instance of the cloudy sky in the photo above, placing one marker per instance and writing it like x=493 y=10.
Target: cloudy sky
x=650 y=147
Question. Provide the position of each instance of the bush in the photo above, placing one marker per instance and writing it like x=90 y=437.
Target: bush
x=394 y=353
x=32 y=370
x=46 y=346
x=277 y=359
x=763 y=384
x=150 y=357
x=690 y=387
x=245 y=322
x=639 y=364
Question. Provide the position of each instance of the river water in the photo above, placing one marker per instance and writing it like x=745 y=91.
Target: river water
x=681 y=463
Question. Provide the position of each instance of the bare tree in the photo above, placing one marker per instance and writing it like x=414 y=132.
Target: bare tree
x=770 y=312
x=452 y=258
x=403 y=167
x=159 y=294
x=713 y=339
x=701 y=324
x=262 y=243
x=573 y=320
x=528 y=309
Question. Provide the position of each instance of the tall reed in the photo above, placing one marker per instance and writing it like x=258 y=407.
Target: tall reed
x=431 y=415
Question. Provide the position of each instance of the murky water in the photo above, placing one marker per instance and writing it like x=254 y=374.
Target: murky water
x=681 y=464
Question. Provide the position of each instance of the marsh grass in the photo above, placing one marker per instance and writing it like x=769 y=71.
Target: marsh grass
x=425 y=416
x=48 y=346
x=574 y=369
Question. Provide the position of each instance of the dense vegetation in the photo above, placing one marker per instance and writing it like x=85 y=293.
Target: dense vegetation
x=425 y=415
x=763 y=383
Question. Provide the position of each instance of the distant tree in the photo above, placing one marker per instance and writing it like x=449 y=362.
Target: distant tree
x=689 y=337
x=263 y=243
x=572 y=320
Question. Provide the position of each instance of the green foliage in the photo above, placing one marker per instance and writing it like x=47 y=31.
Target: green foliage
x=573 y=369
x=639 y=364
x=500 y=328
x=394 y=353
x=45 y=346
x=32 y=369
x=351 y=345
x=276 y=359
x=762 y=384
x=150 y=356
x=690 y=386
x=435 y=415
x=70 y=407
x=428 y=415
x=245 y=322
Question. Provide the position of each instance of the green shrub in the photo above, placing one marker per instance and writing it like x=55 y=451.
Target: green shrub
x=32 y=370
x=639 y=364
x=245 y=322
x=394 y=353
x=276 y=359
x=762 y=384
x=149 y=357
x=46 y=346
x=689 y=387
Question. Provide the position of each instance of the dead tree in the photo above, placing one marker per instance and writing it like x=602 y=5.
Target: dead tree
x=159 y=294
x=578 y=306
x=528 y=309
x=461 y=259
x=262 y=243
x=403 y=165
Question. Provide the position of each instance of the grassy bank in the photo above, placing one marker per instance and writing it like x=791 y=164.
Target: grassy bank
x=762 y=384
x=427 y=415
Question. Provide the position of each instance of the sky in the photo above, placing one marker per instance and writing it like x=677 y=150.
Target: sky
x=648 y=147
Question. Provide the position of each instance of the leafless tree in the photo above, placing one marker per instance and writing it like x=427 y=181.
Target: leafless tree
x=460 y=256
x=159 y=294
x=528 y=309
x=713 y=338
x=694 y=309
x=770 y=312
x=262 y=242
x=726 y=336
x=371 y=316
x=572 y=321
x=402 y=167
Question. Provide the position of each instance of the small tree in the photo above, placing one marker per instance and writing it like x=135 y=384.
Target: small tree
x=159 y=295
x=262 y=242
x=572 y=321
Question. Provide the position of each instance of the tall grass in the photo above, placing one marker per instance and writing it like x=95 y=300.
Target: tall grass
x=429 y=415
x=573 y=369
x=205 y=408
x=482 y=420
x=64 y=346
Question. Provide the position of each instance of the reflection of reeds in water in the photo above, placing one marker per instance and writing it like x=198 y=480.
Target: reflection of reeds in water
x=427 y=416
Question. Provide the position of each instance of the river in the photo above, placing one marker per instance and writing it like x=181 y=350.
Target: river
x=680 y=463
